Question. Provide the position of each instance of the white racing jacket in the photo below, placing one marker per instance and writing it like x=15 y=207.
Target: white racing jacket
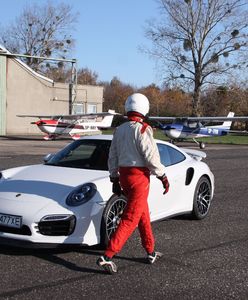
x=131 y=148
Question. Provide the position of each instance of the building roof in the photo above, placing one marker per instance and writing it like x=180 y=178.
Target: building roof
x=4 y=51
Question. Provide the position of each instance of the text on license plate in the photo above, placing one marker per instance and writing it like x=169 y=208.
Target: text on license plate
x=10 y=220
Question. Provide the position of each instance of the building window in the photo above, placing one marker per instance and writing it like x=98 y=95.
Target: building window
x=78 y=108
x=91 y=108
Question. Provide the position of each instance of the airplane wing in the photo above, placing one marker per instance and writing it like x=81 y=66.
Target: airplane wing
x=73 y=116
x=201 y=119
x=218 y=119
x=242 y=132
x=165 y=118
x=40 y=116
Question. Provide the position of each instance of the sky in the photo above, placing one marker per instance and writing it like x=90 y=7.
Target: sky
x=108 y=36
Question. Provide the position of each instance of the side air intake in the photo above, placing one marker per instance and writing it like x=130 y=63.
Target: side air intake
x=189 y=176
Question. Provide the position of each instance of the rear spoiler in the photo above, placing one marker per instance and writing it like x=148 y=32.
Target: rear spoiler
x=196 y=154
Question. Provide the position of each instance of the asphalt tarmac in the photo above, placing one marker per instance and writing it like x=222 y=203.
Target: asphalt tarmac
x=205 y=259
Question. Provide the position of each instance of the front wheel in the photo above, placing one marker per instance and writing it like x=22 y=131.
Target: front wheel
x=202 y=198
x=111 y=217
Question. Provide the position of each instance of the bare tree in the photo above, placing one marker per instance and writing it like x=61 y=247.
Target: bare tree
x=200 y=41
x=59 y=73
x=42 y=31
x=86 y=76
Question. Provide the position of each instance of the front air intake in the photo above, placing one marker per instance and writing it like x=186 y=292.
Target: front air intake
x=24 y=230
x=57 y=227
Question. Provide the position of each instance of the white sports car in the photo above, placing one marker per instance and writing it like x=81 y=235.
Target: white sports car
x=69 y=200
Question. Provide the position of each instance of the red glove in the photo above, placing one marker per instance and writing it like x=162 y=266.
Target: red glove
x=165 y=183
x=116 y=187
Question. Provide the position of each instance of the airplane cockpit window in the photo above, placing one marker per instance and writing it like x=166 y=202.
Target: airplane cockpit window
x=169 y=155
x=192 y=124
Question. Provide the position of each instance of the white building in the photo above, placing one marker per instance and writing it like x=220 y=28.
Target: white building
x=23 y=91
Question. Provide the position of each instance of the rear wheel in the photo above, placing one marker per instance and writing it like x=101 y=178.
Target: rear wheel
x=111 y=217
x=202 y=198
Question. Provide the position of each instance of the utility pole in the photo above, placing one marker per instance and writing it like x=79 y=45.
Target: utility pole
x=73 y=86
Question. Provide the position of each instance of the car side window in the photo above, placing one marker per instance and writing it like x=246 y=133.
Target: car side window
x=164 y=155
x=169 y=155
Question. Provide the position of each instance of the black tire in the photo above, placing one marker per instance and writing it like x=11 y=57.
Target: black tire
x=111 y=217
x=202 y=198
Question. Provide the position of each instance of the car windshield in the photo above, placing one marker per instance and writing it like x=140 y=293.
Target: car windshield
x=83 y=154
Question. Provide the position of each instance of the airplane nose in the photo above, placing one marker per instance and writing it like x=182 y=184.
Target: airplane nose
x=173 y=131
x=169 y=127
x=39 y=123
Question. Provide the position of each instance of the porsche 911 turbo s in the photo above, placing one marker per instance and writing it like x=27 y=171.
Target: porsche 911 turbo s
x=68 y=199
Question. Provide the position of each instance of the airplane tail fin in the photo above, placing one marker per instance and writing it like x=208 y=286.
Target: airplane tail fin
x=107 y=120
x=227 y=124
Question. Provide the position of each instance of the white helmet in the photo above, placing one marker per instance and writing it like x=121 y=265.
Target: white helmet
x=137 y=102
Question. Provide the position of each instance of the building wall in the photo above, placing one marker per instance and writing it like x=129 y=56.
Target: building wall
x=29 y=94
x=2 y=95
x=89 y=95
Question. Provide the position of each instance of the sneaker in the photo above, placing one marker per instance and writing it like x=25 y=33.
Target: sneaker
x=109 y=266
x=152 y=257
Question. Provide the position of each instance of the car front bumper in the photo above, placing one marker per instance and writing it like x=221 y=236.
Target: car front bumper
x=82 y=225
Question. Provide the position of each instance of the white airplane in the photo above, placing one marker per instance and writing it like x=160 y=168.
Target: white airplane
x=195 y=127
x=74 y=125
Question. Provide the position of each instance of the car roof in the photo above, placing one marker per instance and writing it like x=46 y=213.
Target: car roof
x=187 y=152
x=108 y=137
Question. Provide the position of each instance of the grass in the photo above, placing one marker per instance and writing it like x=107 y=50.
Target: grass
x=227 y=139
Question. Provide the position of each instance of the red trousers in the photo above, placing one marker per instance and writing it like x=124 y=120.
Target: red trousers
x=135 y=183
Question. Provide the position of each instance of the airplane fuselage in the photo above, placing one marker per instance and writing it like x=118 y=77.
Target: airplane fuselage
x=195 y=127
x=55 y=127
x=179 y=131
x=74 y=124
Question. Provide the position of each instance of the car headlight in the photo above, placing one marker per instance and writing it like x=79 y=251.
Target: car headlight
x=81 y=194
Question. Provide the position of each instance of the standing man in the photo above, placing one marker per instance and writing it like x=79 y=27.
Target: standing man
x=133 y=156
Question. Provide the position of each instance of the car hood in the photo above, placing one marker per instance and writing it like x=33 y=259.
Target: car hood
x=44 y=181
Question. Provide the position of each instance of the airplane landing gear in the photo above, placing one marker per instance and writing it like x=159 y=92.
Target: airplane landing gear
x=200 y=144
x=50 y=137
x=76 y=137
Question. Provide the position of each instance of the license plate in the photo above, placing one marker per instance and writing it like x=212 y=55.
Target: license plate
x=10 y=221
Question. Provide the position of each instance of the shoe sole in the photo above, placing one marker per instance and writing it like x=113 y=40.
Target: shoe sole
x=107 y=268
x=159 y=256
